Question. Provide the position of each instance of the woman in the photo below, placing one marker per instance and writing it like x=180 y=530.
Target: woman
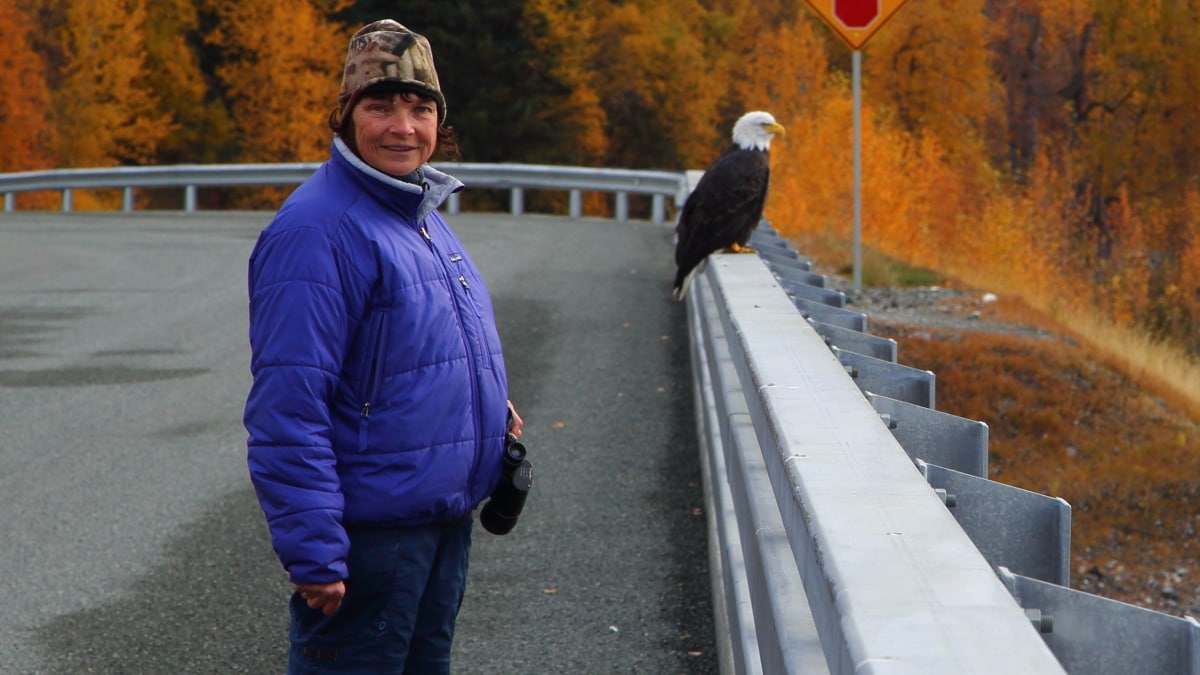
x=378 y=412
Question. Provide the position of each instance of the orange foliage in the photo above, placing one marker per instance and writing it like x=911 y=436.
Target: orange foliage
x=26 y=123
x=107 y=113
x=916 y=206
x=282 y=72
x=927 y=66
x=1186 y=292
x=281 y=77
x=200 y=123
x=1041 y=148
x=1072 y=231
x=643 y=63
x=560 y=35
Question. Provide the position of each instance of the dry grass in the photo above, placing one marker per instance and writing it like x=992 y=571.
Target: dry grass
x=1151 y=365
x=1105 y=419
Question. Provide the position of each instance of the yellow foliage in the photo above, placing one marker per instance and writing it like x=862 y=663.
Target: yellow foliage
x=562 y=35
x=1040 y=148
x=928 y=67
x=282 y=74
x=107 y=114
x=200 y=126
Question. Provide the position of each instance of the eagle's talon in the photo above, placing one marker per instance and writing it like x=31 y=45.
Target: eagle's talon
x=738 y=248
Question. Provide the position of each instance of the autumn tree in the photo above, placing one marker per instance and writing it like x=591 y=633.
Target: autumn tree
x=933 y=68
x=1138 y=134
x=561 y=33
x=1100 y=90
x=788 y=74
x=107 y=113
x=1057 y=132
x=657 y=75
x=655 y=83
x=280 y=75
x=201 y=131
x=26 y=121
x=767 y=56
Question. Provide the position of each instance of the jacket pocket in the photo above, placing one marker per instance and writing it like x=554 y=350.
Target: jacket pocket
x=374 y=351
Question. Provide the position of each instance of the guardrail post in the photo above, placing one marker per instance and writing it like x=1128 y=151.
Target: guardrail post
x=517 y=201
x=10 y=203
x=189 y=198
x=658 y=209
x=622 y=206
x=67 y=200
x=576 y=207
x=454 y=204
x=127 y=199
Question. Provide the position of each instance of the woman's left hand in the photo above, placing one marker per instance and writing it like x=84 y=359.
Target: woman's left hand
x=515 y=423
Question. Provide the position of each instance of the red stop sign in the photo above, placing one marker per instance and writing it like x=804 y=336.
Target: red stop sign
x=855 y=21
x=856 y=14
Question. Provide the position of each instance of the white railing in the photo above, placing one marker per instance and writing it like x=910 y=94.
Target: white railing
x=660 y=186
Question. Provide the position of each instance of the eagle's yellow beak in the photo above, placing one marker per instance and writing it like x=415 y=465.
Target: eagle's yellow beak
x=776 y=129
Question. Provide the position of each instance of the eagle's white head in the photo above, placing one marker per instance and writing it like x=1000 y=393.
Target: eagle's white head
x=755 y=129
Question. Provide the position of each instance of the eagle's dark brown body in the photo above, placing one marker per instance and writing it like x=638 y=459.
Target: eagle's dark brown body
x=722 y=210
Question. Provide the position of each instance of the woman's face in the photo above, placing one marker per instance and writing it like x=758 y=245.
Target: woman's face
x=395 y=132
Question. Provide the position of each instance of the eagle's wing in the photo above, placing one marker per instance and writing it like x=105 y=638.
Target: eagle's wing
x=724 y=208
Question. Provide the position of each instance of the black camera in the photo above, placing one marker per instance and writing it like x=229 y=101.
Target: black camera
x=499 y=515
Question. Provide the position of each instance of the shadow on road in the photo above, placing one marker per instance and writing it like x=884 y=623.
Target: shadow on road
x=212 y=622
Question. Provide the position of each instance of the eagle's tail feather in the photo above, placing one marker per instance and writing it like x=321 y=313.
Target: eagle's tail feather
x=681 y=287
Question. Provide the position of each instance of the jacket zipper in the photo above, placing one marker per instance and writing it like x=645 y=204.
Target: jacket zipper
x=475 y=395
x=371 y=388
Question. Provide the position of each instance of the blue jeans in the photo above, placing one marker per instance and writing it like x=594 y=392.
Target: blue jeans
x=405 y=588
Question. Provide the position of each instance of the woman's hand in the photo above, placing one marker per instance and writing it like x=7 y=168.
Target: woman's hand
x=514 y=423
x=325 y=597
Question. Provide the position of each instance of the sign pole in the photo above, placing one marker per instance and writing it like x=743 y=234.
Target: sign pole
x=855 y=21
x=857 y=85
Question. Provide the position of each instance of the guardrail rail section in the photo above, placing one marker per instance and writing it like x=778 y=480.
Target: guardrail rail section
x=853 y=528
x=516 y=178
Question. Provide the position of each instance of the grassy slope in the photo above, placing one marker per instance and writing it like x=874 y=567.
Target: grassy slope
x=1063 y=424
x=1066 y=422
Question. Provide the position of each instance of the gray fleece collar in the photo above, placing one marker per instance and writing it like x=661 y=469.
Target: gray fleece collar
x=436 y=186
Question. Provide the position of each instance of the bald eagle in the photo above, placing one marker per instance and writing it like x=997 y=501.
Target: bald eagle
x=726 y=205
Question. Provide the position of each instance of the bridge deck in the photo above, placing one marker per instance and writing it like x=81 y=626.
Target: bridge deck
x=133 y=541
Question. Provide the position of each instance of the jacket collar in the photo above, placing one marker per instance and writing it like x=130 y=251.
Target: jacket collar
x=419 y=200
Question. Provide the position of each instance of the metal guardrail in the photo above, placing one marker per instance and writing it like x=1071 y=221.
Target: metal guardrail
x=516 y=178
x=854 y=531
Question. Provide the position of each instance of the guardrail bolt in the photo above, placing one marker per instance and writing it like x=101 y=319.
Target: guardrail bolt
x=889 y=421
x=1043 y=623
x=948 y=499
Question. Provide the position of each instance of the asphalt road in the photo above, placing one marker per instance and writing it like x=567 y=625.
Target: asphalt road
x=130 y=540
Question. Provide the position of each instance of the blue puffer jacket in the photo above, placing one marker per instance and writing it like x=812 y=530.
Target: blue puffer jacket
x=379 y=394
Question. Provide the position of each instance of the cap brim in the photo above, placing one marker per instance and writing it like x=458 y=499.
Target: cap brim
x=386 y=85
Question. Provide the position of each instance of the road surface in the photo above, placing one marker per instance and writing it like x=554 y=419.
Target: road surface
x=132 y=542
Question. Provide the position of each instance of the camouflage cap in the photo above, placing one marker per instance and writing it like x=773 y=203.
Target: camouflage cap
x=386 y=51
